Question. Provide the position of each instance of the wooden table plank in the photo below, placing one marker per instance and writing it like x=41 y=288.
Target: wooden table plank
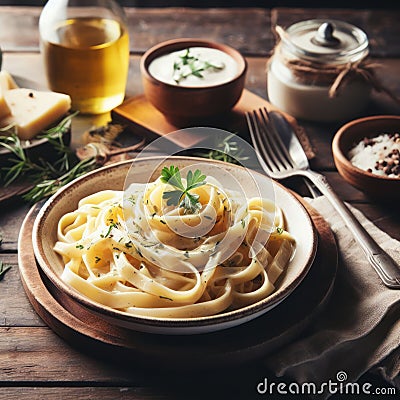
x=87 y=393
x=19 y=26
x=147 y=27
x=15 y=308
x=10 y=220
x=21 y=360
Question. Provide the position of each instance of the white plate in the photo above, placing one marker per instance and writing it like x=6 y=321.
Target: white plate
x=298 y=221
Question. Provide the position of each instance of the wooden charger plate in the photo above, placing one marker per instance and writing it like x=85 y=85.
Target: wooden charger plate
x=249 y=341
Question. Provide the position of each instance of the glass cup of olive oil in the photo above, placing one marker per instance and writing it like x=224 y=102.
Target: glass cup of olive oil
x=85 y=47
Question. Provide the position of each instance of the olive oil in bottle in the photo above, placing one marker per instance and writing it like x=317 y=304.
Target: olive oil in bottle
x=87 y=57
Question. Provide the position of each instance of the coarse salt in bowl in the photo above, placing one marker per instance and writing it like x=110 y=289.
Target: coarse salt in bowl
x=378 y=155
x=365 y=151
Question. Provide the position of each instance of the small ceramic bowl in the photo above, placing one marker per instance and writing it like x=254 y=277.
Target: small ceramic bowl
x=374 y=186
x=184 y=105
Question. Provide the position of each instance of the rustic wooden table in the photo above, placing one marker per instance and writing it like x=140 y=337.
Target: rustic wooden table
x=35 y=362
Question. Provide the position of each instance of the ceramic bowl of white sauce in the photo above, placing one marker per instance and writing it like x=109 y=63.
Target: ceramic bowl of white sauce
x=192 y=80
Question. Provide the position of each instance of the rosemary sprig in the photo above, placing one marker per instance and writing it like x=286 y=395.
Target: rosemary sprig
x=181 y=196
x=46 y=177
x=188 y=64
x=47 y=187
x=3 y=269
x=55 y=137
x=228 y=151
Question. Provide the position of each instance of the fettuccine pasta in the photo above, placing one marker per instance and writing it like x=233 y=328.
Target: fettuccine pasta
x=137 y=252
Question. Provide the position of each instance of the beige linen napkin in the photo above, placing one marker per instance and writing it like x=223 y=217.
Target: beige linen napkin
x=359 y=329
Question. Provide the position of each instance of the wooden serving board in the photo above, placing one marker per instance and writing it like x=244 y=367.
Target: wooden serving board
x=230 y=347
x=145 y=120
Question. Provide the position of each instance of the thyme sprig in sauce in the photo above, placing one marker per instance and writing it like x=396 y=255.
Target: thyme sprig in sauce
x=182 y=196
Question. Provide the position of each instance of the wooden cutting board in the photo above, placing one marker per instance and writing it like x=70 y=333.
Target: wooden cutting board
x=250 y=341
x=145 y=120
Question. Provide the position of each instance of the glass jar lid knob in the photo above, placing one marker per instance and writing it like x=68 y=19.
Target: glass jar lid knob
x=324 y=36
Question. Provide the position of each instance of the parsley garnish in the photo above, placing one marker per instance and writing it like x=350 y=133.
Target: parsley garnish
x=181 y=196
x=279 y=230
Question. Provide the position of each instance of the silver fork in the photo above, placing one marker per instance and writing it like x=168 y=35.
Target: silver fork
x=281 y=156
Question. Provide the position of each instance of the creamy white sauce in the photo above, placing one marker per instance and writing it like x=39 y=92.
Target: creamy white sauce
x=226 y=68
x=366 y=156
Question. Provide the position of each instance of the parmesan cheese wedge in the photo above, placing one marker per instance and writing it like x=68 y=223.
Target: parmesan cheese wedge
x=6 y=83
x=33 y=111
x=4 y=109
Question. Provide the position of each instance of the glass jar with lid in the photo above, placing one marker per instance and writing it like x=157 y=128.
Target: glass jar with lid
x=316 y=71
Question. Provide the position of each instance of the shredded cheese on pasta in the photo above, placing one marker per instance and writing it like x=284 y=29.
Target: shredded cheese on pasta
x=131 y=252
